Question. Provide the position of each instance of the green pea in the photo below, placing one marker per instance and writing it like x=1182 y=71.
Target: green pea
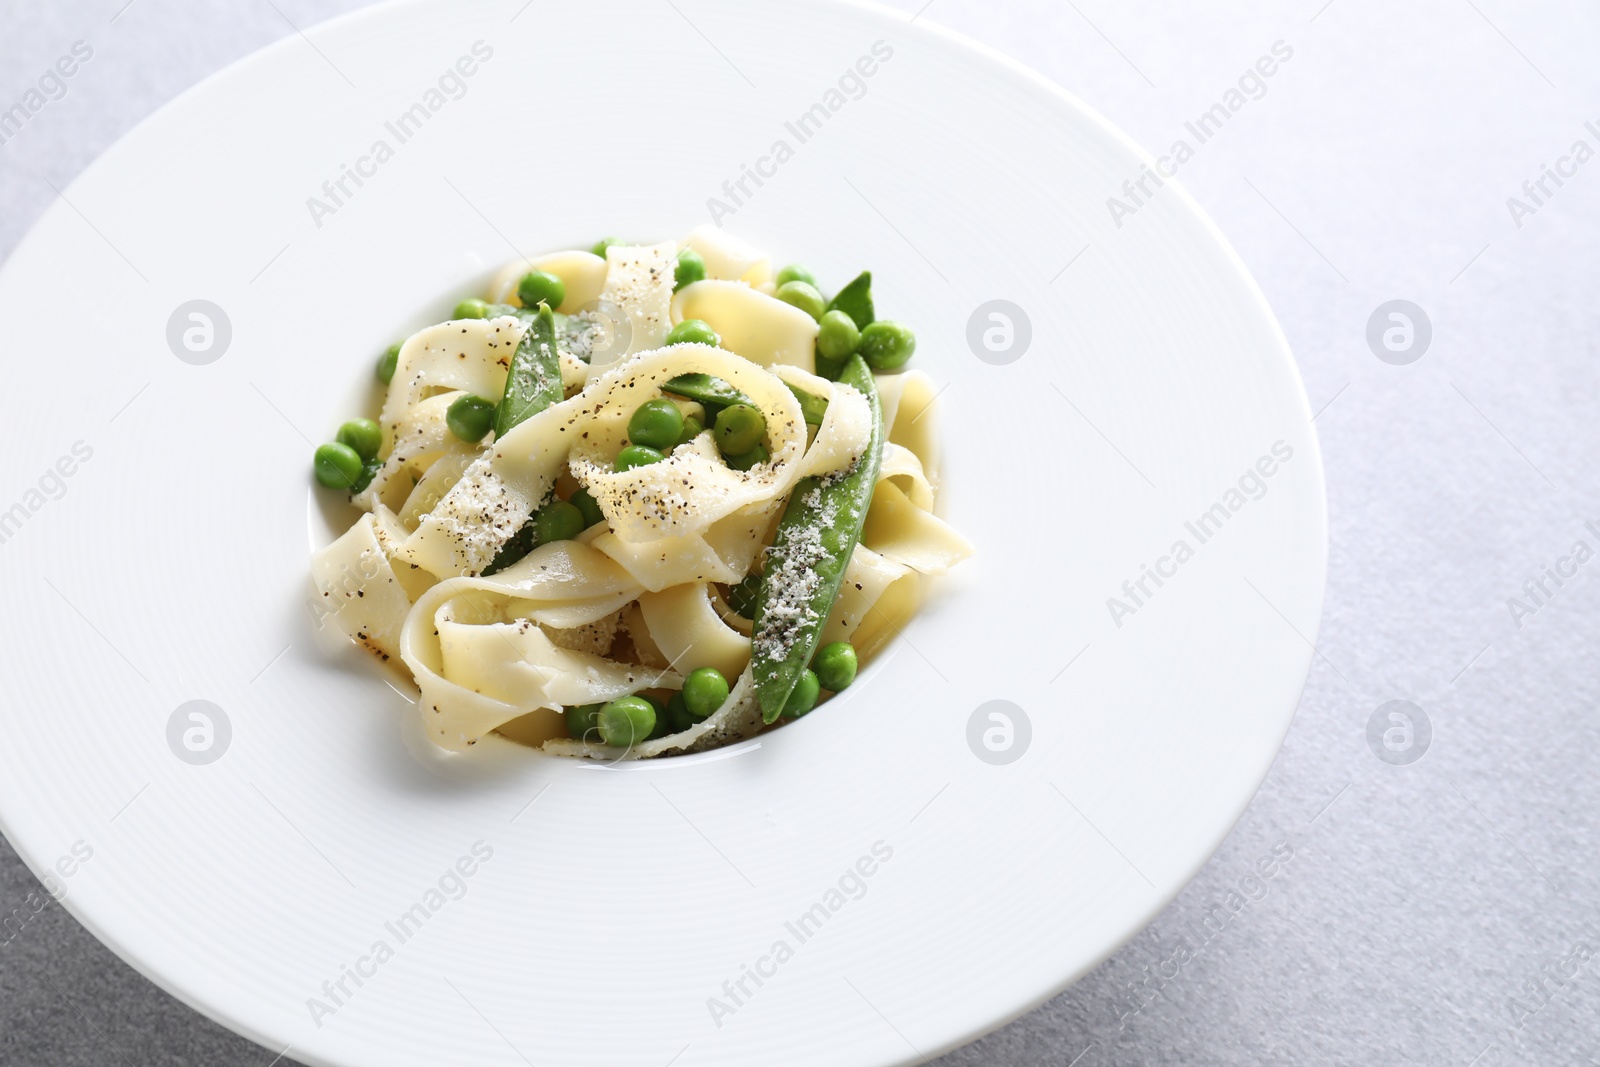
x=739 y=428
x=472 y=309
x=804 y=296
x=794 y=272
x=656 y=424
x=803 y=697
x=387 y=363
x=362 y=435
x=626 y=721
x=537 y=287
x=637 y=456
x=693 y=332
x=469 y=417
x=678 y=714
x=581 y=720
x=601 y=245
x=584 y=501
x=742 y=597
x=692 y=428
x=837 y=335
x=336 y=466
x=704 y=691
x=560 y=521
x=691 y=269
x=746 y=460
x=887 y=345
x=835 y=665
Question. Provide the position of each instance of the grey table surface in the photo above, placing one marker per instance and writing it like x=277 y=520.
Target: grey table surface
x=1434 y=907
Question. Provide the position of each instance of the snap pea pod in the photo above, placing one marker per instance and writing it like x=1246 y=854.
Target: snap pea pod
x=532 y=384
x=811 y=407
x=521 y=543
x=807 y=561
x=534 y=381
x=714 y=394
x=854 y=300
x=710 y=392
x=705 y=389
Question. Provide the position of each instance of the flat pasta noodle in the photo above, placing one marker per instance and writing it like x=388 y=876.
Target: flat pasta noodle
x=724 y=552
x=686 y=629
x=470 y=355
x=596 y=637
x=729 y=259
x=391 y=532
x=902 y=467
x=437 y=480
x=356 y=587
x=639 y=281
x=899 y=530
x=911 y=424
x=574 y=373
x=876 y=600
x=759 y=327
x=419 y=438
x=644 y=646
x=563 y=584
x=846 y=424
x=434 y=366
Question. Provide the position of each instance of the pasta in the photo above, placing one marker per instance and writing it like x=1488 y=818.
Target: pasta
x=642 y=500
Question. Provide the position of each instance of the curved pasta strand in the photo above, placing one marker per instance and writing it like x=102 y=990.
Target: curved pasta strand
x=899 y=530
x=914 y=425
x=761 y=328
x=729 y=259
x=434 y=366
x=358 y=591
x=688 y=631
x=596 y=637
x=472 y=355
x=439 y=478
x=876 y=600
x=391 y=533
x=415 y=442
x=564 y=584
x=486 y=506
x=901 y=466
x=639 y=281
x=481 y=656
x=846 y=424
x=723 y=553
x=574 y=373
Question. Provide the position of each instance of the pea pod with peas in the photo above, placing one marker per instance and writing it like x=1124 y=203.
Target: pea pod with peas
x=805 y=565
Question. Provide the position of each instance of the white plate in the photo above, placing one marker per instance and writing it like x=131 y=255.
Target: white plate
x=618 y=901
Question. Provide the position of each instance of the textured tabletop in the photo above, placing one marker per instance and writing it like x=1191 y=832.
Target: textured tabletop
x=1414 y=187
